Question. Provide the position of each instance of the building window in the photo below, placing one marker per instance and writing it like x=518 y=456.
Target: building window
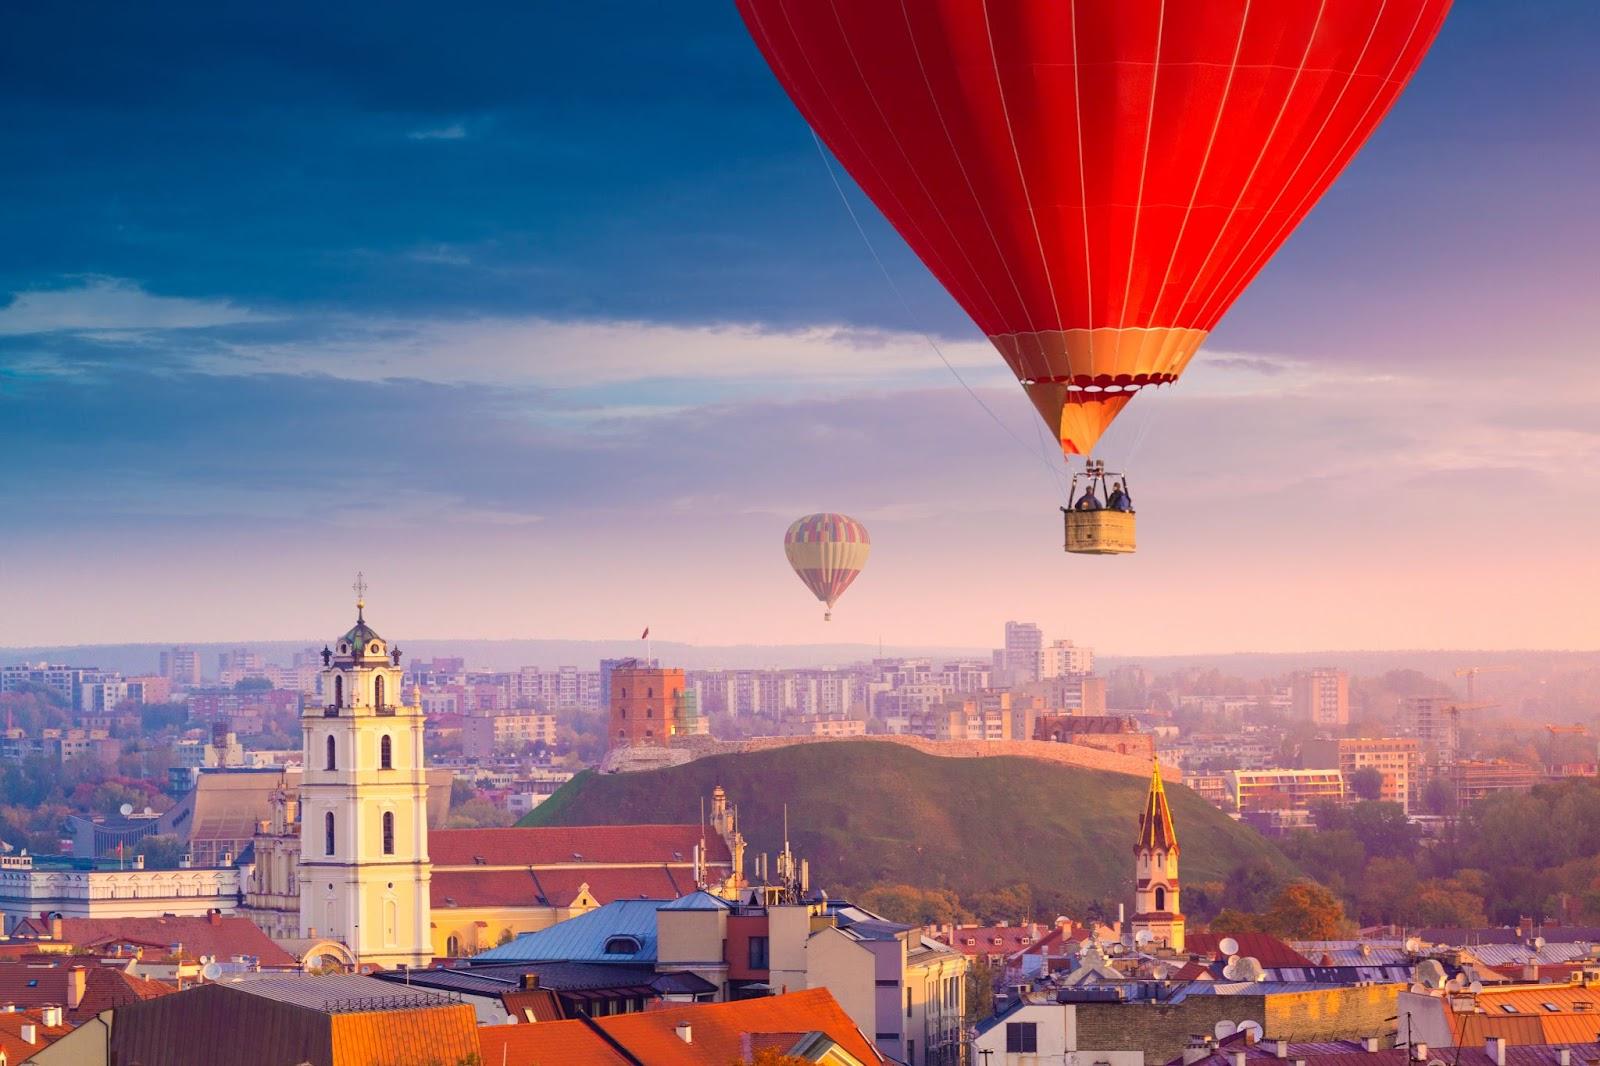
x=327 y=833
x=377 y=691
x=1022 y=1038
x=338 y=690
x=388 y=831
x=759 y=958
x=452 y=947
x=1161 y=899
x=908 y=1003
x=332 y=761
x=385 y=753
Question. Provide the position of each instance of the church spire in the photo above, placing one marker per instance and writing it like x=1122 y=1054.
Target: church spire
x=1155 y=821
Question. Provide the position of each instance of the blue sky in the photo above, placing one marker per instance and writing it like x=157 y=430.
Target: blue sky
x=549 y=316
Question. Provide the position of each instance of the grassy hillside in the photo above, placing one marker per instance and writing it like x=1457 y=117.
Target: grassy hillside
x=867 y=813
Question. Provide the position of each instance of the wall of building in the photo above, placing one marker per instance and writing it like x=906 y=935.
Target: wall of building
x=117 y=893
x=841 y=965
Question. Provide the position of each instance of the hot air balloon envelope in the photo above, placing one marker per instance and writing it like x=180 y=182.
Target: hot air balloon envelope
x=1094 y=181
x=827 y=551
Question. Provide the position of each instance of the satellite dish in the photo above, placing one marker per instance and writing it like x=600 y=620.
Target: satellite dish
x=127 y=809
x=1413 y=944
x=1429 y=973
x=1417 y=989
x=1538 y=943
x=211 y=971
x=1228 y=946
x=1224 y=1029
x=1475 y=987
x=1252 y=1029
x=1143 y=936
x=1249 y=969
x=1455 y=983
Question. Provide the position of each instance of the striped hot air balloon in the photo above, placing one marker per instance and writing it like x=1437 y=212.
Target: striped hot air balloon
x=827 y=551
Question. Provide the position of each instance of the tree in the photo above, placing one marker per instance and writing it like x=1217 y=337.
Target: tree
x=1387 y=892
x=1306 y=910
x=980 y=993
x=1367 y=782
x=161 y=852
x=1230 y=922
x=1447 y=902
x=912 y=905
x=252 y=684
x=1250 y=888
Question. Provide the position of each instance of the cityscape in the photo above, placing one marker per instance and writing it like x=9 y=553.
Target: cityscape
x=783 y=532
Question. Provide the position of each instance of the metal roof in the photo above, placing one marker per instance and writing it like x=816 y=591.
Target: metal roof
x=337 y=993
x=697 y=901
x=584 y=938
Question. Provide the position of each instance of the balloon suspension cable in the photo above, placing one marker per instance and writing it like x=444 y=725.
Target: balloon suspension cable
x=1057 y=476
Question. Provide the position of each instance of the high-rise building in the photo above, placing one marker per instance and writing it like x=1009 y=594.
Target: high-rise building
x=1157 y=918
x=1062 y=658
x=650 y=705
x=1395 y=758
x=1024 y=652
x=364 y=869
x=181 y=666
x=1433 y=721
x=1322 y=696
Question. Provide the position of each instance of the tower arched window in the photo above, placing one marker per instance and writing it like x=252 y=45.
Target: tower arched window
x=650 y=693
x=338 y=690
x=1161 y=898
x=377 y=691
x=333 y=755
x=327 y=833
x=386 y=753
x=388 y=832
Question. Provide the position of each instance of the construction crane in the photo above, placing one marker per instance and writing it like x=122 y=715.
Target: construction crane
x=1471 y=674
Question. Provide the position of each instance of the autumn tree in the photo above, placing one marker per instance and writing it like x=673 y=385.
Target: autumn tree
x=1366 y=782
x=1306 y=910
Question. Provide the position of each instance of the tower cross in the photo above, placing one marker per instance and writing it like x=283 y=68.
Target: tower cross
x=360 y=589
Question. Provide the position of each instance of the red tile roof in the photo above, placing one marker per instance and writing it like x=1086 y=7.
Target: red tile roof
x=555 y=888
x=557 y=845
x=717 y=1031
x=981 y=940
x=548 y=1044
x=19 y=1050
x=1265 y=948
x=222 y=937
x=49 y=984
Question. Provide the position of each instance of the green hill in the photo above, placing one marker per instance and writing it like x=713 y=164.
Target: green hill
x=867 y=813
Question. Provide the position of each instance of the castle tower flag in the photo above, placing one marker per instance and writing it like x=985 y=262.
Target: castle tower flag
x=1158 y=918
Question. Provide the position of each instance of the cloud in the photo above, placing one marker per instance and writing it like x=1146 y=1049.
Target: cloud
x=453 y=132
x=111 y=307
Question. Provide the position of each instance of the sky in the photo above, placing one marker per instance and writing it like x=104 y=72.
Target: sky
x=549 y=318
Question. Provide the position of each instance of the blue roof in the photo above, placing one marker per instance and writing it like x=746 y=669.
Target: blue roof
x=586 y=937
x=700 y=900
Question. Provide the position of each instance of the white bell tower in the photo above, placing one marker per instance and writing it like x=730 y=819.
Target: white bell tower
x=364 y=868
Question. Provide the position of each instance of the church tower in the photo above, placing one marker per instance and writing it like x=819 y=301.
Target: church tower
x=364 y=868
x=1157 y=919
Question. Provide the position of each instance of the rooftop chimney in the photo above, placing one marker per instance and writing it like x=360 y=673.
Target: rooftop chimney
x=686 y=1034
x=214 y=916
x=1420 y=1053
x=1196 y=1049
x=51 y=1017
x=77 y=981
x=30 y=1033
x=530 y=980
x=1236 y=1058
x=1282 y=1050
x=1495 y=1048
x=55 y=927
x=1370 y=1043
x=1564 y=1057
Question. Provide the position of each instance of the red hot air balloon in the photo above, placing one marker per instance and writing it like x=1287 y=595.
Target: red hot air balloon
x=827 y=551
x=1095 y=181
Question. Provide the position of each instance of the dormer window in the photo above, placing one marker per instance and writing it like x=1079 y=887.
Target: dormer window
x=622 y=945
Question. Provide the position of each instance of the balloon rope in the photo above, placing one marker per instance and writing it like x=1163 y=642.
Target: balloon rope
x=1057 y=476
